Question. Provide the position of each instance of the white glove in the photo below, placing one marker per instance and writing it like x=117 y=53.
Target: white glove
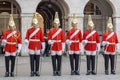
x=43 y=47
x=104 y=43
x=63 y=46
x=81 y=48
x=4 y=41
x=26 y=41
x=18 y=52
x=98 y=47
x=19 y=48
x=68 y=42
x=117 y=48
x=84 y=42
x=107 y=43
x=50 y=42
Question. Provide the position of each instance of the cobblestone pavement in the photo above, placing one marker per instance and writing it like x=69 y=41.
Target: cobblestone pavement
x=23 y=67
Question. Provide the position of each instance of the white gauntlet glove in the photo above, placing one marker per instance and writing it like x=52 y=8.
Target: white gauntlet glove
x=98 y=47
x=43 y=47
x=50 y=42
x=4 y=41
x=19 y=48
x=63 y=46
x=26 y=41
x=117 y=48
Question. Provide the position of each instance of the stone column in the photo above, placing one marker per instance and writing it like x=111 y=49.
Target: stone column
x=116 y=23
x=26 y=23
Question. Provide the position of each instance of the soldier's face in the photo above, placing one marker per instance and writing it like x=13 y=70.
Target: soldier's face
x=12 y=28
x=35 y=25
x=74 y=25
x=90 y=27
x=56 y=25
x=110 y=29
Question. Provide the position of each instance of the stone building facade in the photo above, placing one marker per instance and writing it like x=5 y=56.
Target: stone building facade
x=23 y=10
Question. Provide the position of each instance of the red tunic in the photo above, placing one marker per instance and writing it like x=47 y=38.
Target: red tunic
x=11 y=41
x=35 y=40
x=113 y=39
x=56 y=45
x=78 y=38
x=92 y=40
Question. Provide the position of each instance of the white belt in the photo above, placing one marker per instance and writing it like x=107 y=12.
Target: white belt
x=74 y=41
x=11 y=42
x=112 y=43
x=91 y=42
x=34 y=40
x=56 y=40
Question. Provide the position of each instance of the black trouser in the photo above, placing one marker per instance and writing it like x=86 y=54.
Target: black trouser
x=56 y=62
x=90 y=62
x=34 y=62
x=7 y=60
x=112 y=59
x=74 y=61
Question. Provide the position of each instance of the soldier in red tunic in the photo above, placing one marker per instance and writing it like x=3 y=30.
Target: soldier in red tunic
x=56 y=40
x=11 y=37
x=110 y=43
x=35 y=40
x=91 y=44
x=74 y=38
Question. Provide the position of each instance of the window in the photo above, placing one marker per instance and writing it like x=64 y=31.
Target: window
x=92 y=9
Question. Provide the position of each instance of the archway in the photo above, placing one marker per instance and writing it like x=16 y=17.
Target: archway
x=47 y=9
x=100 y=11
x=9 y=7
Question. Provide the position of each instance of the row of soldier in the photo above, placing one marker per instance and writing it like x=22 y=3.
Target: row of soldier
x=77 y=43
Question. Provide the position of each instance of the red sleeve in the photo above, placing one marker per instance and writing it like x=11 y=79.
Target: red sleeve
x=116 y=38
x=98 y=38
x=80 y=36
x=49 y=35
x=63 y=36
x=68 y=35
x=103 y=37
x=41 y=36
x=19 y=38
x=84 y=36
x=27 y=35
x=4 y=35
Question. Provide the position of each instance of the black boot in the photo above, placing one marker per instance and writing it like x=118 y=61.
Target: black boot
x=12 y=65
x=54 y=65
x=77 y=64
x=32 y=57
x=12 y=74
x=93 y=65
x=106 y=72
x=88 y=72
x=73 y=72
x=59 y=65
x=113 y=72
x=88 y=65
x=7 y=58
x=32 y=74
x=112 y=59
x=37 y=73
x=59 y=73
x=71 y=56
x=77 y=73
x=93 y=72
x=54 y=73
x=37 y=60
x=6 y=74
x=106 y=58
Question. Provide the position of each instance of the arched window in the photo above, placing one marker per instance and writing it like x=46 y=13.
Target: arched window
x=9 y=7
x=92 y=9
